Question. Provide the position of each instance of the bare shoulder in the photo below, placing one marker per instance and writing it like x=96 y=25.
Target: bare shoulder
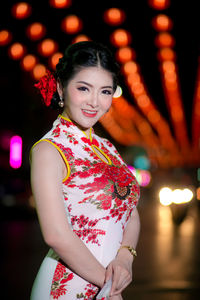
x=44 y=151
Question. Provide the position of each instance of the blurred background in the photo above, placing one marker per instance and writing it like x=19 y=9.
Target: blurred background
x=154 y=122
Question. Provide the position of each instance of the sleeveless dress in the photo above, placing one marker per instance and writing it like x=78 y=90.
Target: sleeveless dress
x=99 y=196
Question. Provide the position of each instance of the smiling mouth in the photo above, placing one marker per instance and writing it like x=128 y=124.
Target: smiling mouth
x=89 y=113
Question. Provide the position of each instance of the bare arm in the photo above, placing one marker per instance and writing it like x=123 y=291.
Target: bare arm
x=121 y=267
x=47 y=170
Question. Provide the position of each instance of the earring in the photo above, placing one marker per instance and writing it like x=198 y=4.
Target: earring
x=61 y=102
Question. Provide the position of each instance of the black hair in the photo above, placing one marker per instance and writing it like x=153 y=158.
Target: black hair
x=80 y=55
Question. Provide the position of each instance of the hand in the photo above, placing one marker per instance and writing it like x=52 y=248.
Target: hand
x=120 y=269
x=116 y=297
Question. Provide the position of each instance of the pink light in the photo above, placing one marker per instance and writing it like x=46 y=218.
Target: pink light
x=143 y=177
x=16 y=152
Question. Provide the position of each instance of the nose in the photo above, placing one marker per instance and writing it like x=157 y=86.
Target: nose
x=93 y=100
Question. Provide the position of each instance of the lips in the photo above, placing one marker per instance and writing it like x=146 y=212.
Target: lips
x=89 y=113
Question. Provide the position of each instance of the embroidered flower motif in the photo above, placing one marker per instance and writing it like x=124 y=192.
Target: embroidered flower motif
x=56 y=131
x=60 y=278
x=66 y=122
x=93 y=142
x=91 y=291
x=83 y=227
x=47 y=87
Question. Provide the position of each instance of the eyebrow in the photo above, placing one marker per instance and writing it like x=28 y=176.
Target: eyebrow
x=103 y=87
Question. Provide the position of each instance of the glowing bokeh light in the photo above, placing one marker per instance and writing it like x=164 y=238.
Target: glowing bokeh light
x=38 y=71
x=81 y=38
x=159 y=4
x=54 y=59
x=162 y=23
x=164 y=39
x=36 y=31
x=143 y=177
x=5 y=37
x=16 y=51
x=114 y=16
x=118 y=92
x=198 y=193
x=130 y=67
x=28 y=62
x=178 y=196
x=60 y=3
x=16 y=152
x=47 y=47
x=120 y=38
x=165 y=196
x=21 y=10
x=125 y=54
x=166 y=53
x=71 y=24
x=141 y=162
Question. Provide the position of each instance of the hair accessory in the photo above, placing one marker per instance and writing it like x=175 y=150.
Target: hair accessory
x=47 y=86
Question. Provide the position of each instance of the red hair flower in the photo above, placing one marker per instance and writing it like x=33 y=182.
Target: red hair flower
x=47 y=86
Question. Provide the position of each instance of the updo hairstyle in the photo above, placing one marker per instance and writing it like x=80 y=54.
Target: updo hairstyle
x=79 y=56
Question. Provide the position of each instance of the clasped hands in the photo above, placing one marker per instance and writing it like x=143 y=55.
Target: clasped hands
x=120 y=269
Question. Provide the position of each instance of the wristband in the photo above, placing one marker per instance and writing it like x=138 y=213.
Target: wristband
x=130 y=249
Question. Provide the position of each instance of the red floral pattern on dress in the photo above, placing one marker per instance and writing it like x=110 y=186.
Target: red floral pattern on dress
x=87 y=141
x=95 y=194
x=59 y=282
x=71 y=137
x=90 y=291
x=56 y=131
x=68 y=123
x=85 y=231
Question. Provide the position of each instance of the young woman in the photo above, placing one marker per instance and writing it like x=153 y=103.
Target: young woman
x=85 y=194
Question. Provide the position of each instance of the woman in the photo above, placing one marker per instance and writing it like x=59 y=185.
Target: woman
x=85 y=195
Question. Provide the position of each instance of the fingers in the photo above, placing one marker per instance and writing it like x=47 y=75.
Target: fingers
x=121 y=279
x=108 y=273
x=116 y=297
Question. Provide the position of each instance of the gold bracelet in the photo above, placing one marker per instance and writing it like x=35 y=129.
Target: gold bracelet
x=131 y=250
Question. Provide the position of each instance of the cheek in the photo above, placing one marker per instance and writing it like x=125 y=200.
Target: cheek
x=73 y=98
x=106 y=103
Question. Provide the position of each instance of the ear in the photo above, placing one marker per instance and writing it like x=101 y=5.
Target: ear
x=60 y=89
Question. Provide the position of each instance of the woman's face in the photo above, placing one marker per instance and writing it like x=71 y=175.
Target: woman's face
x=87 y=96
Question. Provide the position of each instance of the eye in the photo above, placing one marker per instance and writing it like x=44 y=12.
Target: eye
x=83 y=88
x=107 y=92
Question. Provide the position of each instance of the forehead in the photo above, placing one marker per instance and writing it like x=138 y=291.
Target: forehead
x=96 y=76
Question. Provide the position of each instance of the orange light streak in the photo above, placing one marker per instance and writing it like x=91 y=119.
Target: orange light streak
x=196 y=117
x=174 y=102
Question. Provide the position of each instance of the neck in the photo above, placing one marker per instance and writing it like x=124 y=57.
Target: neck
x=86 y=130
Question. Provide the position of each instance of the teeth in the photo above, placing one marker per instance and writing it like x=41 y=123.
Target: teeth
x=89 y=112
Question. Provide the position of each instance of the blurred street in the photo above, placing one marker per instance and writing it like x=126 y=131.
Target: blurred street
x=167 y=266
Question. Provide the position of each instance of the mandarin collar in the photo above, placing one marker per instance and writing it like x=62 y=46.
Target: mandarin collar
x=70 y=126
